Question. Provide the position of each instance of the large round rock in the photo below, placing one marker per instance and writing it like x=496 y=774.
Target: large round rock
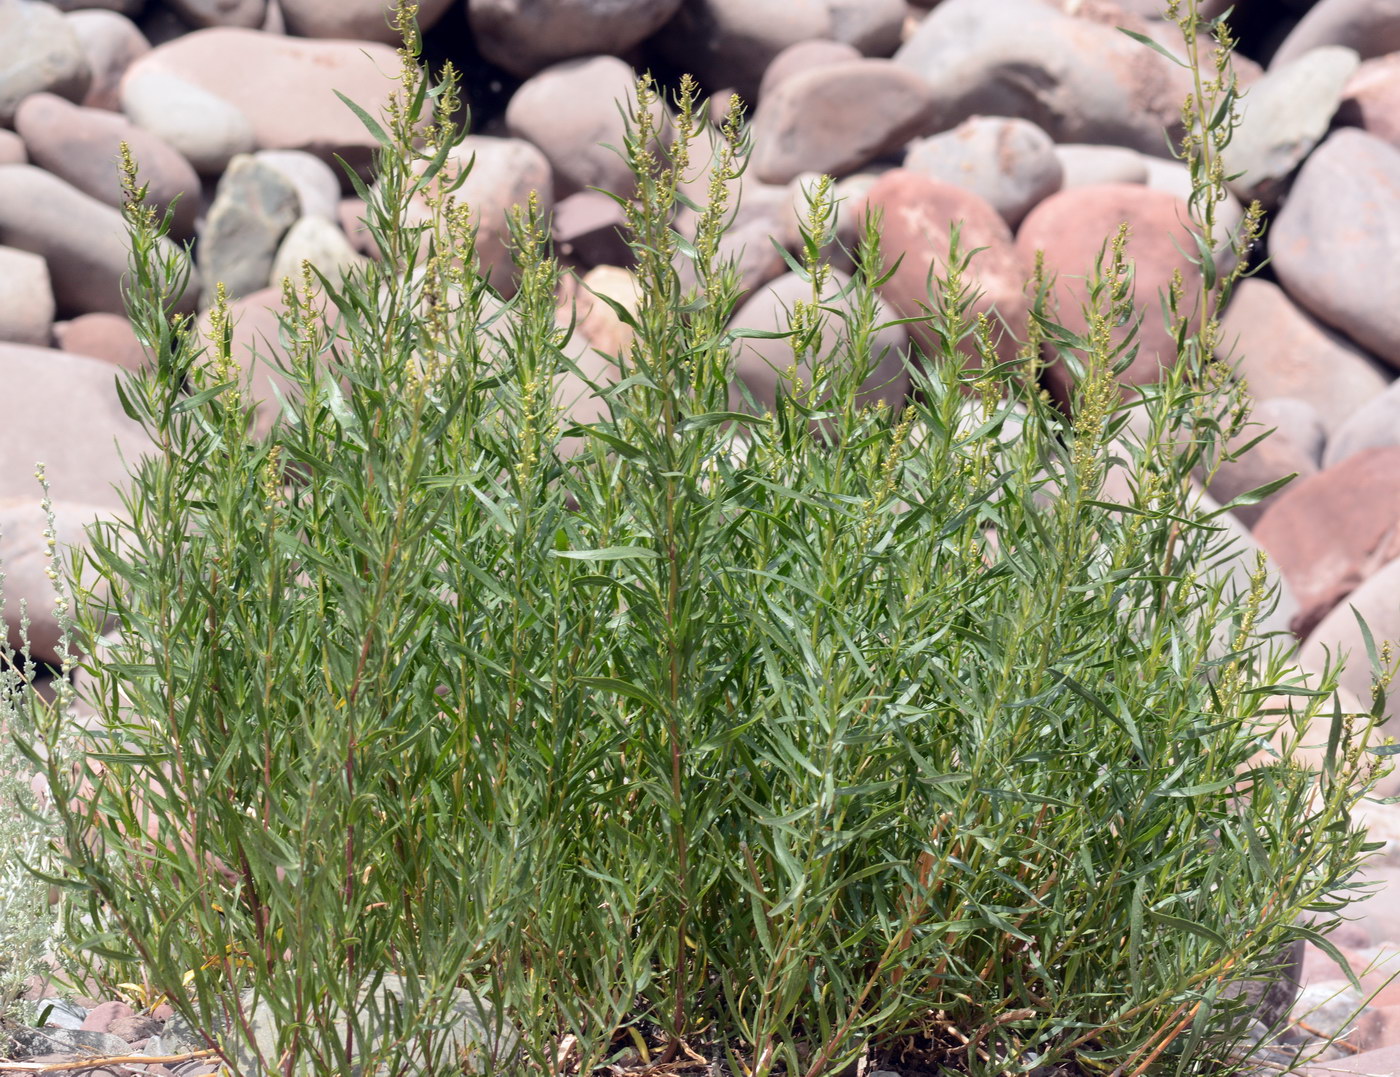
x=524 y=36
x=38 y=52
x=354 y=20
x=1371 y=27
x=1333 y=242
x=1009 y=162
x=111 y=42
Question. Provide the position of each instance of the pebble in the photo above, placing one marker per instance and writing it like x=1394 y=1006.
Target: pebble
x=1283 y=116
x=38 y=52
x=1330 y=531
x=1332 y=242
x=83 y=240
x=1080 y=81
x=835 y=119
x=568 y=110
x=1007 y=161
x=354 y=20
x=253 y=208
x=82 y=146
x=1281 y=351
x=111 y=42
x=526 y=36
x=918 y=213
x=26 y=298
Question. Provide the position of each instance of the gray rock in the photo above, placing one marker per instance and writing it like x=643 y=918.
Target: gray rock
x=1083 y=165
x=26 y=298
x=206 y=129
x=1283 y=116
x=1295 y=420
x=474 y=1032
x=836 y=119
x=804 y=56
x=1332 y=243
x=1009 y=162
x=1374 y=425
x=253 y=208
x=38 y=52
x=204 y=13
x=111 y=42
x=526 y=36
x=317 y=183
x=872 y=26
x=75 y=1041
x=1371 y=27
x=320 y=242
x=569 y=110
x=1079 y=80
x=83 y=240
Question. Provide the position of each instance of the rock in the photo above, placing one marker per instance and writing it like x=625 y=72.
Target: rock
x=320 y=242
x=1280 y=454
x=1072 y=226
x=12 y=150
x=589 y=229
x=83 y=145
x=83 y=240
x=1296 y=421
x=1331 y=243
x=38 y=52
x=811 y=55
x=1236 y=570
x=123 y=7
x=135 y=1028
x=1087 y=166
x=762 y=364
x=292 y=104
x=350 y=215
x=317 y=183
x=1280 y=351
x=750 y=245
x=1078 y=80
x=526 y=36
x=731 y=42
x=111 y=42
x=253 y=208
x=354 y=20
x=26 y=298
x=1282 y=117
x=1371 y=27
x=568 y=111
x=835 y=119
x=207 y=130
x=205 y=13
x=108 y=337
x=872 y=26
x=1374 y=425
x=1009 y=162
x=1331 y=531
x=1377 y=600
x=101 y=1016
x=1371 y=99
x=75 y=441
x=64 y=1043
x=597 y=321
x=918 y=215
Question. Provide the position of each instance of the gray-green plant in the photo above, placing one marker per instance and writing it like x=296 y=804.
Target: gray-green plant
x=776 y=739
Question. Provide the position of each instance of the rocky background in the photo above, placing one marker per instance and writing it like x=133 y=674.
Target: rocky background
x=1034 y=121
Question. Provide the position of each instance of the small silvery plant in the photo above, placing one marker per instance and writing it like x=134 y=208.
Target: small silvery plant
x=773 y=740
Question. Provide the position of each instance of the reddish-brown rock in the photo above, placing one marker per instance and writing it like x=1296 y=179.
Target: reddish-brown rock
x=1328 y=533
x=1371 y=99
x=918 y=215
x=108 y=337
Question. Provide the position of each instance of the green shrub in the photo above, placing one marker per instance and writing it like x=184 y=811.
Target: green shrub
x=771 y=738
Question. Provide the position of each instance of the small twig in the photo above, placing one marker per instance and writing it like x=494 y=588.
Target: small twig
x=1311 y=1031
x=91 y=1063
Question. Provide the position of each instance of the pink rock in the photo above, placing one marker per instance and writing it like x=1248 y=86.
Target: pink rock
x=83 y=240
x=26 y=298
x=811 y=55
x=1371 y=99
x=350 y=215
x=1009 y=162
x=1371 y=27
x=1378 y=1027
x=82 y=146
x=292 y=104
x=12 y=150
x=761 y=364
x=569 y=111
x=1330 y=531
x=835 y=119
x=1374 y=425
x=1087 y=166
x=101 y=1016
x=135 y=1028
x=918 y=215
x=588 y=230
x=1071 y=227
x=108 y=337
x=525 y=36
x=38 y=53
x=1384 y=1061
x=356 y=20
x=1331 y=243
x=1280 y=351
x=1276 y=457
x=1377 y=600
x=111 y=42
x=205 y=13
